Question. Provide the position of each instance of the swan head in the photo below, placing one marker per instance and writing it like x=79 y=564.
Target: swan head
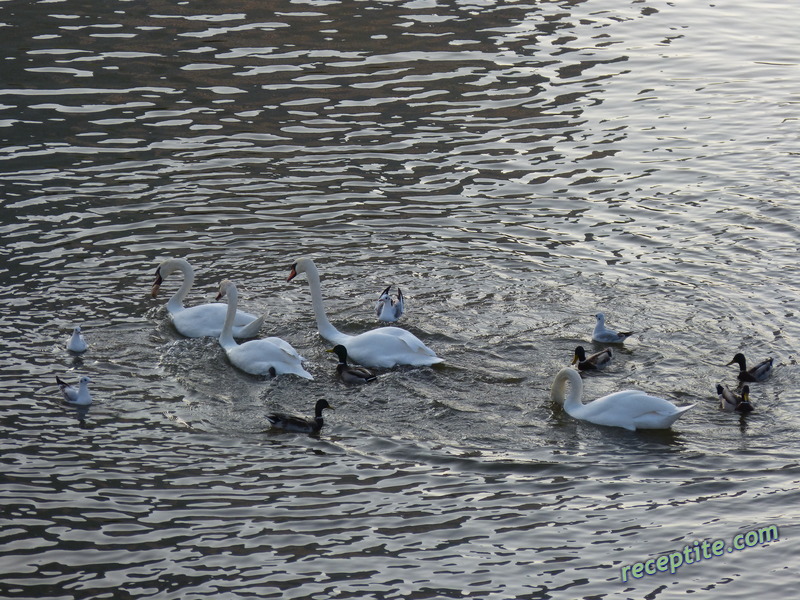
x=224 y=287
x=303 y=265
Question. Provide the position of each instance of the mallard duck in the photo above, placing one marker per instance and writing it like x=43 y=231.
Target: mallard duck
x=630 y=409
x=348 y=373
x=388 y=309
x=384 y=347
x=79 y=396
x=76 y=342
x=598 y=360
x=268 y=356
x=603 y=334
x=758 y=373
x=730 y=402
x=204 y=319
x=300 y=424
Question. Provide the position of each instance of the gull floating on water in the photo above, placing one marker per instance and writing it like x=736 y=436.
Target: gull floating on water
x=79 y=396
x=388 y=309
x=76 y=342
x=602 y=333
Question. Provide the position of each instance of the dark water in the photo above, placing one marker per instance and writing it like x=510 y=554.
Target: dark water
x=515 y=168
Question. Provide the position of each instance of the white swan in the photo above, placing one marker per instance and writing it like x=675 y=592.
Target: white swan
x=79 y=396
x=387 y=309
x=204 y=319
x=602 y=333
x=76 y=342
x=269 y=356
x=383 y=348
x=630 y=409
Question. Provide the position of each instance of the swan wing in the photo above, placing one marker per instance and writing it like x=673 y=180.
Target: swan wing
x=390 y=346
x=207 y=319
x=258 y=357
x=631 y=409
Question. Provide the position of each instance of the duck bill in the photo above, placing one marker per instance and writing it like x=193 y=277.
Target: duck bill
x=574 y=359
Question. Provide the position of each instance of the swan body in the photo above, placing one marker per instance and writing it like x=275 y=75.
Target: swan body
x=384 y=347
x=760 y=372
x=730 y=402
x=596 y=361
x=300 y=424
x=388 y=309
x=79 y=396
x=76 y=342
x=269 y=356
x=348 y=373
x=204 y=319
x=603 y=334
x=630 y=409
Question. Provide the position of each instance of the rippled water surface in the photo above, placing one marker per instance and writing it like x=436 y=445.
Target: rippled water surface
x=515 y=167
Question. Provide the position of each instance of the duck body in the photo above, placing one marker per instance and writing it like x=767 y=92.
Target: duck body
x=349 y=373
x=79 y=396
x=387 y=309
x=596 y=361
x=76 y=342
x=605 y=335
x=203 y=320
x=300 y=424
x=269 y=356
x=730 y=402
x=760 y=372
x=384 y=347
x=630 y=409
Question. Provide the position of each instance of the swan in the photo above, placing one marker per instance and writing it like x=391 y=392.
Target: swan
x=79 y=396
x=758 y=373
x=268 y=356
x=76 y=342
x=602 y=333
x=204 y=319
x=630 y=409
x=730 y=402
x=598 y=360
x=300 y=424
x=350 y=374
x=382 y=348
x=387 y=309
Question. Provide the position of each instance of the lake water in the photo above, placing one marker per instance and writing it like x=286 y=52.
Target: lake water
x=515 y=167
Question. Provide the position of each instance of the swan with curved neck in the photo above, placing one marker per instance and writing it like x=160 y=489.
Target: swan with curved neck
x=630 y=409
x=382 y=348
x=204 y=319
x=269 y=356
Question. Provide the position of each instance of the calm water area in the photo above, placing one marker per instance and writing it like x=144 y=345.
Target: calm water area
x=515 y=167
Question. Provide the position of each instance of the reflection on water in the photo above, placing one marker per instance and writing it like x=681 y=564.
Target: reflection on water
x=515 y=168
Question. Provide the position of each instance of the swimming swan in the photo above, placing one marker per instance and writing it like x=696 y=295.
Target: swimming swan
x=630 y=409
x=383 y=347
x=300 y=424
x=269 y=356
x=602 y=333
x=387 y=309
x=204 y=319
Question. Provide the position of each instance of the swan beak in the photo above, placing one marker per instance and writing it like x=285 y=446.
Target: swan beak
x=218 y=297
x=157 y=283
x=293 y=274
x=154 y=291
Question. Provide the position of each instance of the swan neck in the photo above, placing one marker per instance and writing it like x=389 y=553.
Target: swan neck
x=176 y=302
x=573 y=399
x=326 y=330
x=226 y=335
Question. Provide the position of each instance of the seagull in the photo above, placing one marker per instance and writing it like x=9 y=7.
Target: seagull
x=77 y=396
x=387 y=309
x=76 y=343
x=603 y=334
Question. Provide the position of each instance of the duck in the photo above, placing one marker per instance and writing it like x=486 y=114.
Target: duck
x=603 y=334
x=268 y=356
x=629 y=409
x=387 y=309
x=760 y=372
x=730 y=402
x=300 y=424
x=596 y=361
x=385 y=347
x=348 y=373
x=203 y=320
x=76 y=343
x=79 y=396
